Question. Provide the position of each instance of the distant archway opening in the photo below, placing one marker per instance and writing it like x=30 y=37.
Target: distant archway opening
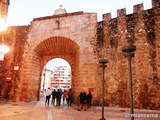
x=56 y=75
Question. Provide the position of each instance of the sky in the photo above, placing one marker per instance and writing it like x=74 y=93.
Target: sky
x=22 y=12
x=55 y=63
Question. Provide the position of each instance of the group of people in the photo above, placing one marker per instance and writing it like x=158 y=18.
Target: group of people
x=84 y=99
x=56 y=96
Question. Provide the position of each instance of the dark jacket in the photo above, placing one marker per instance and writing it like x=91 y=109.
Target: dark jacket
x=89 y=97
x=70 y=94
x=83 y=98
x=53 y=94
x=58 y=95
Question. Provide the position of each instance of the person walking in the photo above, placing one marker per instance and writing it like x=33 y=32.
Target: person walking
x=48 y=95
x=70 y=97
x=78 y=99
x=53 y=96
x=89 y=99
x=65 y=96
x=58 y=98
x=83 y=100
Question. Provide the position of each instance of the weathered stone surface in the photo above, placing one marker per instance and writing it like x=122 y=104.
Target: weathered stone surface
x=82 y=41
x=139 y=29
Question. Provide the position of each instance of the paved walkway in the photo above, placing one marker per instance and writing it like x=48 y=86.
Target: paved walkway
x=38 y=111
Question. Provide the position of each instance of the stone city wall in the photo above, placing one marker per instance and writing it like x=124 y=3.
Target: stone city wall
x=142 y=30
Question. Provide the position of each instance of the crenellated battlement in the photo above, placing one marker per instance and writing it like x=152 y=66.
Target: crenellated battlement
x=141 y=28
x=125 y=25
x=136 y=9
x=155 y=3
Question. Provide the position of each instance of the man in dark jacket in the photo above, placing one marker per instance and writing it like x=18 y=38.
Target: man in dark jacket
x=53 y=96
x=89 y=99
x=58 y=98
x=83 y=100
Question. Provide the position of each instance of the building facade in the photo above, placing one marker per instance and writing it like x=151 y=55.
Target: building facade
x=46 y=79
x=4 y=4
x=61 y=78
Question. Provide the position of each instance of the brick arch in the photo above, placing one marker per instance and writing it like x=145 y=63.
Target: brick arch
x=58 y=47
x=54 y=36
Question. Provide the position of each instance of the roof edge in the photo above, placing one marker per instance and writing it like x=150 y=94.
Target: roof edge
x=57 y=16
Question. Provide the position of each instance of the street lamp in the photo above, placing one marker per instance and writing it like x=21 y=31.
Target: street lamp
x=129 y=55
x=3 y=48
x=103 y=62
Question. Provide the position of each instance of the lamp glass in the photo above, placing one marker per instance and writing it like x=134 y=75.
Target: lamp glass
x=4 y=49
x=1 y=56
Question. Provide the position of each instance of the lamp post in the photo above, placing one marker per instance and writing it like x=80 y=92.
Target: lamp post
x=102 y=63
x=129 y=55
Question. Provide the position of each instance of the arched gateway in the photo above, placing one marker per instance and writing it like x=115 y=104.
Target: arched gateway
x=69 y=36
x=82 y=41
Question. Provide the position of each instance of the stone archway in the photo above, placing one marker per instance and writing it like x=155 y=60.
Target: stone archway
x=60 y=47
x=54 y=47
x=73 y=41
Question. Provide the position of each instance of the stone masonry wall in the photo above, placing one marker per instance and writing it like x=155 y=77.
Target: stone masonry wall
x=15 y=38
x=142 y=30
x=79 y=28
